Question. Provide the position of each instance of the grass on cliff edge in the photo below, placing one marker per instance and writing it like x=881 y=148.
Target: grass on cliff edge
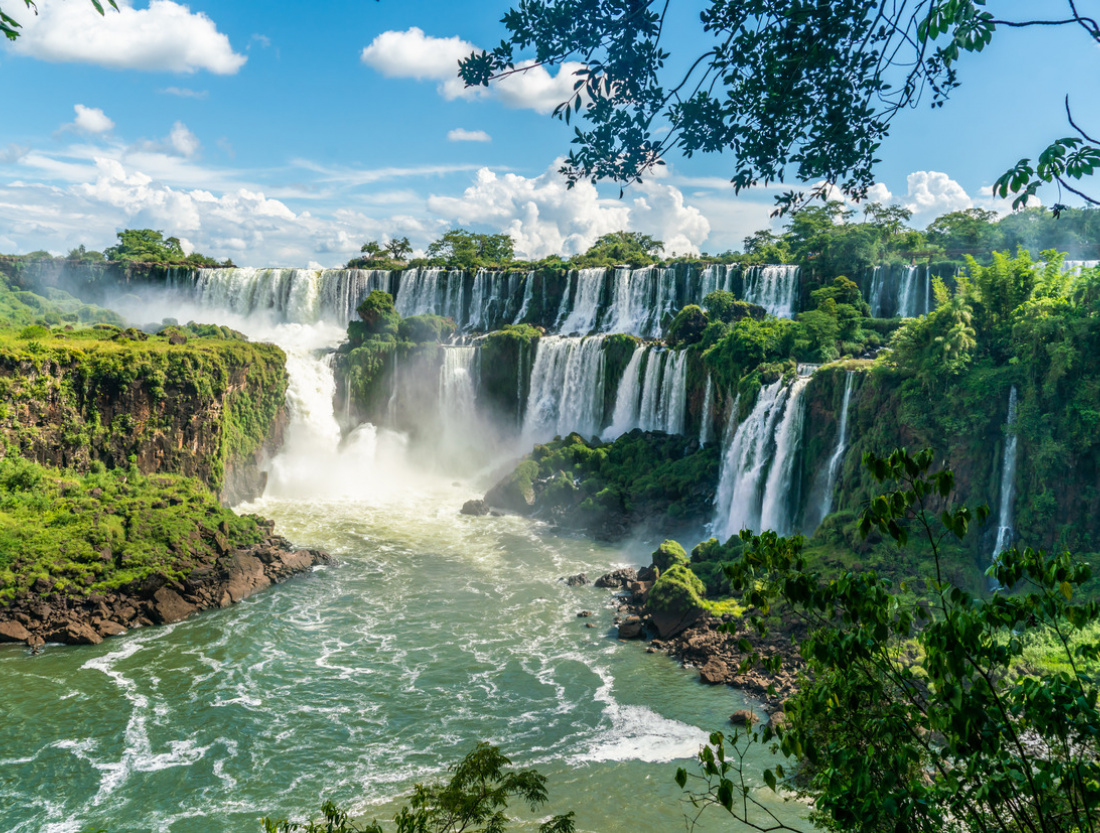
x=106 y=529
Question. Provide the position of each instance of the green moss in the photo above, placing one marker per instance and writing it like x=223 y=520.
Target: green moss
x=669 y=554
x=676 y=592
x=99 y=531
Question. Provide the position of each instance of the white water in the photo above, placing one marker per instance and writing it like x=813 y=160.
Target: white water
x=757 y=485
x=775 y=288
x=528 y=293
x=714 y=278
x=838 y=452
x=655 y=400
x=776 y=511
x=641 y=298
x=1008 y=480
x=704 y=424
x=586 y=307
x=566 y=391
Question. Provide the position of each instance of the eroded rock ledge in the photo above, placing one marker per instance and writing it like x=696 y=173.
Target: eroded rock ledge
x=46 y=616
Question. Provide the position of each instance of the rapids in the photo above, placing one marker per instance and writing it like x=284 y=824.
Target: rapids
x=353 y=683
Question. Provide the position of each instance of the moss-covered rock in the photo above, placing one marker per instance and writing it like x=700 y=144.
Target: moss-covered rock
x=641 y=481
x=669 y=554
x=676 y=600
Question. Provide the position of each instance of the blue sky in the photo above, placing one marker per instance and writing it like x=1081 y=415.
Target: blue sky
x=283 y=134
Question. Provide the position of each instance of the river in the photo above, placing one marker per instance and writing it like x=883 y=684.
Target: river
x=433 y=631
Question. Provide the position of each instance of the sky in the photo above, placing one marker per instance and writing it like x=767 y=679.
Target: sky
x=285 y=134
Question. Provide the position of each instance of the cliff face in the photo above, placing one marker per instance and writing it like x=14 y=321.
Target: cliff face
x=210 y=408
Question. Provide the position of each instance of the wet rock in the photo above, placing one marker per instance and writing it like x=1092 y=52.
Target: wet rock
x=649 y=573
x=476 y=507
x=617 y=578
x=744 y=717
x=589 y=625
x=630 y=627
x=584 y=614
x=778 y=720
x=579 y=580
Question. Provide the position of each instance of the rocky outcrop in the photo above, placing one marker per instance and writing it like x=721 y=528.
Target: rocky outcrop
x=46 y=616
x=212 y=408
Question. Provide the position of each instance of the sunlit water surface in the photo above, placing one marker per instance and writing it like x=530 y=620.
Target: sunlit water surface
x=354 y=682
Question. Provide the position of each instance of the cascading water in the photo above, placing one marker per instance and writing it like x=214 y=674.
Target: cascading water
x=586 y=305
x=641 y=298
x=704 y=422
x=628 y=397
x=837 y=457
x=776 y=511
x=775 y=288
x=758 y=467
x=714 y=278
x=1008 y=480
x=566 y=391
x=528 y=293
x=654 y=399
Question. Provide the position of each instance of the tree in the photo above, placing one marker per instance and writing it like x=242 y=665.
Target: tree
x=399 y=248
x=372 y=250
x=921 y=713
x=818 y=115
x=474 y=800
x=9 y=27
x=149 y=246
x=631 y=247
x=972 y=230
x=470 y=250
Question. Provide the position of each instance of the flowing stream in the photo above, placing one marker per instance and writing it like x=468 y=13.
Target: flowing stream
x=352 y=683
x=1008 y=480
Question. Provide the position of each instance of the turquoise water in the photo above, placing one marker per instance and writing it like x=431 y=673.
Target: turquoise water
x=354 y=682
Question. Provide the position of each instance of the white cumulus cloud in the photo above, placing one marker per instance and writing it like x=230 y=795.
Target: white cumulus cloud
x=545 y=217
x=414 y=54
x=930 y=194
x=461 y=135
x=165 y=37
x=90 y=120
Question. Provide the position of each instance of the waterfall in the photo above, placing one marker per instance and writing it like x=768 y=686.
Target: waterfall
x=704 y=421
x=906 y=288
x=775 y=288
x=586 y=306
x=673 y=399
x=714 y=278
x=456 y=383
x=758 y=470
x=628 y=396
x=564 y=306
x=640 y=300
x=416 y=291
x=874 y=296
x=566 y=391
x=1008 y=480
x=528 y=291
x=838 y=453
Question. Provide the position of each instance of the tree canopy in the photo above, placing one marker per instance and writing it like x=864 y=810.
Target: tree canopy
x=793 y=89
x=10 y=27
x=149 y=246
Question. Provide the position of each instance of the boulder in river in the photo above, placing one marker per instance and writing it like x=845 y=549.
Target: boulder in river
x=617 y=578
x=579 y=580
x=476 y=507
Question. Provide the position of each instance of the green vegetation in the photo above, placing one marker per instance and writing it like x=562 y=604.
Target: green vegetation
x=148 y=246
x=786 y=113
x=9 y=28
x=75 y=534
x=608 y=488
x=390 y=255
x=474 y=800
x=619 y=247
x=924 y=708
x=464 y=249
